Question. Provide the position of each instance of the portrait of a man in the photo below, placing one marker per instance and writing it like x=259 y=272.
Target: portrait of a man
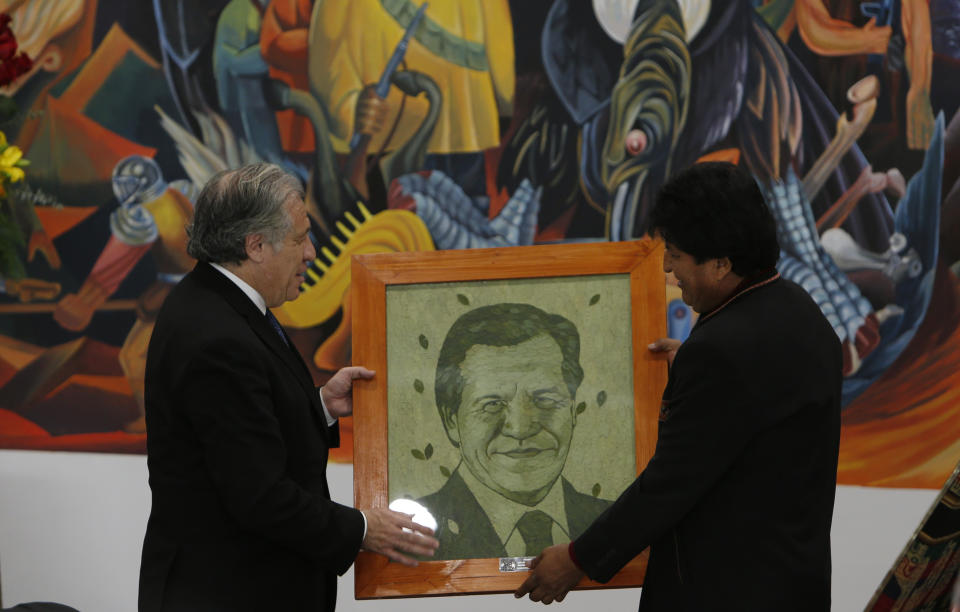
x=502 y=424
x=506 y=386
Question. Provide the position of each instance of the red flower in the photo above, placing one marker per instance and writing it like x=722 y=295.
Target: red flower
x=12 y=65
x=8 y=45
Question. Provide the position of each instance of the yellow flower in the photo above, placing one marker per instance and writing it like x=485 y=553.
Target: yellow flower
x=11 y=160
x=8 y=163
x=14 y=174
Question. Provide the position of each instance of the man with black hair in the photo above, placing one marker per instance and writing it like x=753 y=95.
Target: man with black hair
x=737 y=501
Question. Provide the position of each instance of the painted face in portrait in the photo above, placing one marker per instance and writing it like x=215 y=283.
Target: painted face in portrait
x=516 y=417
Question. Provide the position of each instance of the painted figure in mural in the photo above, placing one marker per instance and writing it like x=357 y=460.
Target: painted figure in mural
x=185 y=30
x=653 y=85
x=900 y=26
x=241 y=73
x=745 y=464
x=464 y=46
x=283 y=43
x=238 y=435
x=507 y=377
x=150 y=218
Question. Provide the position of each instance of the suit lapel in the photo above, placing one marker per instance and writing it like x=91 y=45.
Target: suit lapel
x=466 y=531
x=288 y=355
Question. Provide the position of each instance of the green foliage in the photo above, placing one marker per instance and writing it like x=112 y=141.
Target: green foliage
x=581 y=407
x=445 y=471
x=423 y=341
x=601 y=398
x=596 y=489
x=594 y=299
x=422 y=455
x=418 y=385
x=11 y=242
x=463 y=299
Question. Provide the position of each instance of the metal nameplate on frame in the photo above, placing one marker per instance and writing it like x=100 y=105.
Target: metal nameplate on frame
x=514 y=564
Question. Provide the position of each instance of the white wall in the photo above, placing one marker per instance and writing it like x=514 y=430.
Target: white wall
x=71 y=526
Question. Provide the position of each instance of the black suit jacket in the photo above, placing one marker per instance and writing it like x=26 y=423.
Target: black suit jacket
x=737 y=501
x=465 y=531
x=237 y=449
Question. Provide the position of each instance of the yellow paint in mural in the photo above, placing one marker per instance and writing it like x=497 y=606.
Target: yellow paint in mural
x=388 y=231
x=351 y=42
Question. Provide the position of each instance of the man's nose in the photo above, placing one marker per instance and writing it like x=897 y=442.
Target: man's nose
x=309 y=251
x=521 y=419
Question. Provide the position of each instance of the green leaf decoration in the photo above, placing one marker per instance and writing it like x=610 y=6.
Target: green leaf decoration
x=416 y=452
x=594 y=299
x=601 y=398
x=463 y=299
x=418 y=385
x=596 y=489
x=445 y=471
x=581 y=407
x=423 y=341
x=428 y=452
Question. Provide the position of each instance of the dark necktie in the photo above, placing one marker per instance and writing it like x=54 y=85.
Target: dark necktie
x=277 y=327
x=535 y=528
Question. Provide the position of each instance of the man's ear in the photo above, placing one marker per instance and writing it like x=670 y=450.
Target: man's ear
x=722 y=267
x=453 y=429
x=254 y=246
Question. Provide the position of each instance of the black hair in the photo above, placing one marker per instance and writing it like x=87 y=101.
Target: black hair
x=716 y=209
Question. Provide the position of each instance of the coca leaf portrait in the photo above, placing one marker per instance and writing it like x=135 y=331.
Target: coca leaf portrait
x=514 y=399
x=505 y=398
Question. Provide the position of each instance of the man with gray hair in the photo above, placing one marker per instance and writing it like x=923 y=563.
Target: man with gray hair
x=237 y=434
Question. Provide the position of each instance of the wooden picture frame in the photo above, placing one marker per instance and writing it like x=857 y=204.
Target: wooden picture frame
x=373 y=275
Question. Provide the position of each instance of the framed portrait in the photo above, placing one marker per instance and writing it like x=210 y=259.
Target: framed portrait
x=514 y=400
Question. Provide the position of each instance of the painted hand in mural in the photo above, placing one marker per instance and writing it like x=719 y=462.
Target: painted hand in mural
x=371 y=112
x=828 y=36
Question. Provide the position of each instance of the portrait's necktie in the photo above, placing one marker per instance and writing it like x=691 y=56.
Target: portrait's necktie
x=276 y=327
x=535 y=528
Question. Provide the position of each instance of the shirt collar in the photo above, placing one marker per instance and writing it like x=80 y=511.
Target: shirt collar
x=746 y=285
x=250 y=292
x=504 y=513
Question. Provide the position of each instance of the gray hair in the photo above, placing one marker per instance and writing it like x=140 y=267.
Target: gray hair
x=237 y=203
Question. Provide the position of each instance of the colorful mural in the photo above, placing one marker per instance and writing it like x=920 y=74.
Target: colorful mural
x=475 y=123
